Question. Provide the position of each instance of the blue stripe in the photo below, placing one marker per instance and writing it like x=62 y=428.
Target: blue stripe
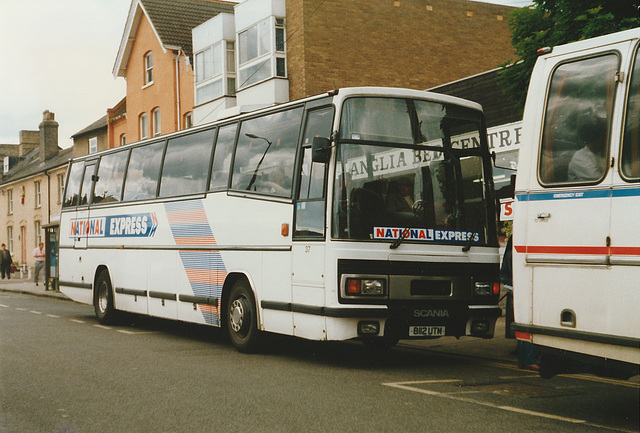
x=574 y=195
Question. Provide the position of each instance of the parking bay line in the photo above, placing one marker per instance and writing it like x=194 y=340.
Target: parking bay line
x=407 y=386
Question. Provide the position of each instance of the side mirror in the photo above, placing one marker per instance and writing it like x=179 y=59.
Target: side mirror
x=320 y=149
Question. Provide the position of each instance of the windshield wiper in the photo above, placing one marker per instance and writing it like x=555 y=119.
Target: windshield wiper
x=417 y=210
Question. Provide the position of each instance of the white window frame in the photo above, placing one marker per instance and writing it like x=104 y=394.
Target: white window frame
x=10 y=239
x=266 y=52
x=60 y=187
x=148 y=68
x=10 y=201
x=38 y=228
x=224 y=52
x=188 y=120
x=156 y=121
x=38 y=193
x=123 y=139
x=93 y=145
x=143 y=126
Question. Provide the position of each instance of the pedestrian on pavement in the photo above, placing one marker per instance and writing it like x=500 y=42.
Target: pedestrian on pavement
x=5 y=262
x=38 y=254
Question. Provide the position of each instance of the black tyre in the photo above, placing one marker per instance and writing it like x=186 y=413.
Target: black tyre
x=103 y=299
x=242 y=319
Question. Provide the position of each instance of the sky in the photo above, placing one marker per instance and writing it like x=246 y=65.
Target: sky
x=59 y=56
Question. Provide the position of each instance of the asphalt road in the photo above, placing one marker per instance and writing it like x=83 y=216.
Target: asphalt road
x=62 y=372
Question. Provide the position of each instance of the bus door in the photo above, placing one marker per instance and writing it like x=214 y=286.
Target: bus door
x=568 y=206
x=308 y=251
x=82 y=221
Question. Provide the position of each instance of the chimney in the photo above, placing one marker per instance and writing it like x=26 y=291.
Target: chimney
x=48 y=136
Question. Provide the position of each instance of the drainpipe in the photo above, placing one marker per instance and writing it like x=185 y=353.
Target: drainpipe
x=178 y=88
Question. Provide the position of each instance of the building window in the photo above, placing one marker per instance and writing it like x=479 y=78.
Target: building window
x=123 y=139
x=7 y=163
x=215 y=65
x=188 y=120
x=262 y=52
x=144 y=128
x=93 y=145
x=38 y=233
x=38 y=194
x=60 y=187
x=10 y=239
x=148 y=68
x=10 y=201
x=156 y=123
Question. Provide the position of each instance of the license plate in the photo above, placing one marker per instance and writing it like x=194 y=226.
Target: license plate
x=426 y=331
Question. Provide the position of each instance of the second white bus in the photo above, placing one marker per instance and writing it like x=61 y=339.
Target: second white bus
x=576 y=239
x=361 y=213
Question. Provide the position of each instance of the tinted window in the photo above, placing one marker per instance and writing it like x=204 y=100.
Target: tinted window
x=266 y=152
x=110 y=177
x=85 y=190
x=186 y=164
x=630 y=158
x=310 y=210
x=577 y=121
x=143 y=172
x=72 y=191
x=222 y=157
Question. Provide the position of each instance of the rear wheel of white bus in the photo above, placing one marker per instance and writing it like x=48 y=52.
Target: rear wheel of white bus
x=103 y=299
x=242 y=319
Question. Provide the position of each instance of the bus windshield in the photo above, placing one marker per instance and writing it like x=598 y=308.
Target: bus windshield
x=412 y=169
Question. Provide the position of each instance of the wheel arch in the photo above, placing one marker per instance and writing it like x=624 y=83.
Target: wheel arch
x=229 y=282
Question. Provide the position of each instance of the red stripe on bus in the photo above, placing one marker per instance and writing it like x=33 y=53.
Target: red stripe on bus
x=578 y=250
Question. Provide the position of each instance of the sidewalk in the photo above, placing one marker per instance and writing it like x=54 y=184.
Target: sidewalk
x=27 y=286
x=496 y=349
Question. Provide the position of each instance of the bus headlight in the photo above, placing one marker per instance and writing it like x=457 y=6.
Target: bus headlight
x=365 y=287
x=486 y=289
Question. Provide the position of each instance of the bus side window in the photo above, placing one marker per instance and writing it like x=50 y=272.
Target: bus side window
x=577 y=121
x=222 y=157
x=630 y=155
x=310 y=209
x=265 y=154
x=108 y=187
x=143 y=172
x=186 y=164
x=87 y=181
x=72 y=191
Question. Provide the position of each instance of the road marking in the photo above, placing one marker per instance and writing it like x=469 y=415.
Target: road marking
x=53 y=316
x=102 y=327
x=77 y=321
x=406 y=386
x=4 y=306
x=35 y=312
x=21 y=309
x=124 y=331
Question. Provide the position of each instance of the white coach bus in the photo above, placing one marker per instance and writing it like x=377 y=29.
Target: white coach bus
x=361 y=213
x=576 y=237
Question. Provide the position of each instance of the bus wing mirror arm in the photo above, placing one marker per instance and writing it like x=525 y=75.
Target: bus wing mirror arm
x=321 y=149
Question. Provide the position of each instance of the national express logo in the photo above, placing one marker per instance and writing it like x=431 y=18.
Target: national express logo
x=118 y=226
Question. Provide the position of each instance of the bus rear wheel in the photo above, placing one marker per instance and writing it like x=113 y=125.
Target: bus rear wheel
x=103 y=299
x=242 y=319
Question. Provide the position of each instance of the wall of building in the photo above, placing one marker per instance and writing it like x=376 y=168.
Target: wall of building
x=81 y=142
x=402 y=43
x=26 y=215
x=163 y=92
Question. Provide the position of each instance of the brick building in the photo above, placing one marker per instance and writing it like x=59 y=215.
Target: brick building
x=264 y=52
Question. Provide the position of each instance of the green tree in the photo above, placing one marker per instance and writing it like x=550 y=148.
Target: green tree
x=554 y=22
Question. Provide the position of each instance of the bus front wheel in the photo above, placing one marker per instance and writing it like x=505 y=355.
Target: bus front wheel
x=103 y=299
x=242 y=319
